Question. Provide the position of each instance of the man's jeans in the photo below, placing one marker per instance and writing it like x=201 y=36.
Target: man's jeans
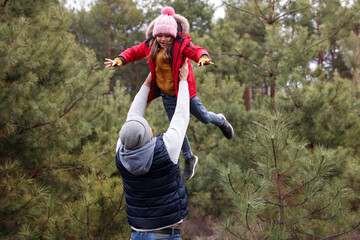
x=197 y=110
x=152 y=236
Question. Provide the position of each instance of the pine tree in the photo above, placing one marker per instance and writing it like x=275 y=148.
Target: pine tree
x=58 y=130
x=269 y=45
x=291 y=192
x=351 y=52
x=110 y=27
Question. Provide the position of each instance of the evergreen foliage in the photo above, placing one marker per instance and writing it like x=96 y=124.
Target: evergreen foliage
x=59 y=120
x=57 y=141
x=291 y=193
x=109 y=28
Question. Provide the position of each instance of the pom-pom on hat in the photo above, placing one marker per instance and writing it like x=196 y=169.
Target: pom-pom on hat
x=166 y=23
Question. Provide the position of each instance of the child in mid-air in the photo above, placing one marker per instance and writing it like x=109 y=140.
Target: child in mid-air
x=166 y=48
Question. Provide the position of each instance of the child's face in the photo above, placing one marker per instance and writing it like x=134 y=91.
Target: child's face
x=164 y=40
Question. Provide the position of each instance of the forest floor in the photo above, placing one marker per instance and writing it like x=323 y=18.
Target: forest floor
x=198 y=228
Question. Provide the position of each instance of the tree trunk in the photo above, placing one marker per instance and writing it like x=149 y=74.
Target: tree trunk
x=264 y=91
x=272 y=90
x=355 y=76
x=355 y=82
x=271 y=75
x=247 y=98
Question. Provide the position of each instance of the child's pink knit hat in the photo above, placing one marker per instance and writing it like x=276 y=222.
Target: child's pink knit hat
x=166 y=23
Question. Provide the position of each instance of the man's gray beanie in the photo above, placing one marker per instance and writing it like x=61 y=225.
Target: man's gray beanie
x=135 y=132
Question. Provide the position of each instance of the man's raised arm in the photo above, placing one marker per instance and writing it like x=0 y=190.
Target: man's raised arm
x=174 y=136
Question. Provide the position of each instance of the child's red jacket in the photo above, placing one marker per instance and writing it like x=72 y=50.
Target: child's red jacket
x=182 y=48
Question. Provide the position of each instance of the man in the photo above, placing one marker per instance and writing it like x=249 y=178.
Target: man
x=156 y=197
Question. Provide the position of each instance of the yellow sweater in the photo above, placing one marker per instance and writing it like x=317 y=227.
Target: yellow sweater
x=164 y=77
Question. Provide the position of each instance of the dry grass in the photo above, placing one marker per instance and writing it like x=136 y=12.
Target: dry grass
x=196 y=227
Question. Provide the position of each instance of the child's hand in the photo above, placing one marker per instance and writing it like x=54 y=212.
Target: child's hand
x=111 y=63
x=204 y=61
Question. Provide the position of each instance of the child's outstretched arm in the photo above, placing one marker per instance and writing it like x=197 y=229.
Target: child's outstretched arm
x=131 y=54
x=197 y=54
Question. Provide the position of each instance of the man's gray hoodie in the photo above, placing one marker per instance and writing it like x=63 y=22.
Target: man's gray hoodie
x=138 y=161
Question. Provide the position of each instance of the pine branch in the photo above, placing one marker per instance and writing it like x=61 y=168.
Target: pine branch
x=80 y=221
x=27 y=203
x=100 y=154
x=330 y=36
x=288 y=2
x=262 y=14
x=291 y=165
x=323 y=218
x=47 y=219
x=256 y=190
x=321 y=208
x=245 y=11
x=332 y=236
x=4 y=5
x=257 y=139
x=231 y=184
x=247 y=221
x=261 y=219
x=37 y=125
x=253 y=64
x=355 y=106
x=309 y=234
x=278 y=181
x=192 y=129
x=292 y=98
x=5 y=10
x=286 y=205
x=336 y=94
x=274 y=153
x=307 y=182
x=68 y=108
x=235 y=235
x=291 y=12
x=343 y=233
x=255 y=123
x=61 y=232
x=68 y=168
x=118 y=210
x=12 y=41
x=88 y=222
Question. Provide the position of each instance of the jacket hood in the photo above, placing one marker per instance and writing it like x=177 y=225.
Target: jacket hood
x=138 y=161
x=185 y=25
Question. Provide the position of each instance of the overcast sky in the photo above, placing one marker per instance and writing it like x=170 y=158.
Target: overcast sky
x=78 y=4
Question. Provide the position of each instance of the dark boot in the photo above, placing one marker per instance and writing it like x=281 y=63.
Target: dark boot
x=226 y=128
x=189 y=168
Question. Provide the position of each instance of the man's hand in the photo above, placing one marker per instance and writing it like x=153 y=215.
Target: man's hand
x=111 y=63
x=184 y=71
x=148 y=81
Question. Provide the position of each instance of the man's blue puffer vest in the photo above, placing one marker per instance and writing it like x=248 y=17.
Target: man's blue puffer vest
x=158 y=198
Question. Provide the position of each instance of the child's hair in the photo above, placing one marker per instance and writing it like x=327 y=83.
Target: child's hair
x=155 y=48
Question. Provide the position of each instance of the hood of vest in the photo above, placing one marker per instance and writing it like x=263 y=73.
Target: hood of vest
x=138 y=161
x=185 y=25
